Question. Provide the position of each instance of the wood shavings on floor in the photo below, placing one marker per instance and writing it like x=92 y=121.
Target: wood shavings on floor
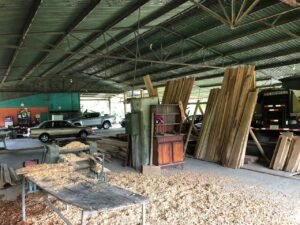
x=177 y=198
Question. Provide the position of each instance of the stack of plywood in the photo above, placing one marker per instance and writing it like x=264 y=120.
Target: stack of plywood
x=287 y=153
x=178 y=90
x=224 y=136
x=113 y=148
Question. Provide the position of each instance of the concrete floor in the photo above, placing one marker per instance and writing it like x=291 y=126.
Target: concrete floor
x=287 y=186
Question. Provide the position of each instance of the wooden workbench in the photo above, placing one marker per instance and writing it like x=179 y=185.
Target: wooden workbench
x=89 y=195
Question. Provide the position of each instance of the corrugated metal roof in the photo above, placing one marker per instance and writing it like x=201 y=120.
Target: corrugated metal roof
x=172 y=31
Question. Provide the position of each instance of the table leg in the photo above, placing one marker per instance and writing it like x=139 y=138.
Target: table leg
x=23 y=199
x=83 y=217
x=143 y=214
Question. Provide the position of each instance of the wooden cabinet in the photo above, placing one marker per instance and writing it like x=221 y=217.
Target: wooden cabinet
x=167 y=141
x=168 y=150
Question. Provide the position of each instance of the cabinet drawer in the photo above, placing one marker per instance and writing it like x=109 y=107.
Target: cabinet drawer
x=164 y=139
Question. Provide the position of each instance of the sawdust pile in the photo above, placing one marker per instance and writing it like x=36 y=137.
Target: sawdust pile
x=181 y=198
x=74 y=145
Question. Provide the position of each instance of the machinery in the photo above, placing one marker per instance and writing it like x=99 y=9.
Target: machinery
x=97 y=167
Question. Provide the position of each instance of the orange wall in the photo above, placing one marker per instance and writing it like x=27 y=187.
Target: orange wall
x=14 y=113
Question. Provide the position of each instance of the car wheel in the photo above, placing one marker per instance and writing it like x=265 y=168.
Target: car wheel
x=83 y=135
x=106 y=125
x=44 y=138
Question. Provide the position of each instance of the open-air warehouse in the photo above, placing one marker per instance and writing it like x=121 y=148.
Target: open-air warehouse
x=149 y=112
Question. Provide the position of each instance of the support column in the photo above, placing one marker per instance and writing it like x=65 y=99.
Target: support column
x=125 y=111
x=109 y=106
x=142 y=93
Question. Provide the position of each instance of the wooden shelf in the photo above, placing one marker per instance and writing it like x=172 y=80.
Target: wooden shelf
x=166 y=124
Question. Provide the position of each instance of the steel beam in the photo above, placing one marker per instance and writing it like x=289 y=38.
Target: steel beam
x=220 y=84
x=209 y=47
x=163 y=10
x=33 y=10
x=236 y=51
x=212 y=13
x=120 y=58
x=259 y=67
x=125 y=13
x=59 y=40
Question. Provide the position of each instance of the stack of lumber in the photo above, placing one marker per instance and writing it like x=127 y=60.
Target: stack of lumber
x=226 y=125
x=287 y=153
x=8 y=176
x=178 y=90
x=113 y=148
x=207 y=122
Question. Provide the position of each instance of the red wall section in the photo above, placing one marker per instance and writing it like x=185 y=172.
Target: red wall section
x=14 y=113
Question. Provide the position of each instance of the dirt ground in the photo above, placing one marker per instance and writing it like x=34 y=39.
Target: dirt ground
x=175 y=198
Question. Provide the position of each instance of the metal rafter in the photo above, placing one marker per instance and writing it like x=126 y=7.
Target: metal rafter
x=33 y=10
x=190 y=39
x=231 y=18
x=163 y=10
x=245 y=61
x=125 y=13
x=59 y=40
x=259 y=67
x=235 y=51
x=175 y=42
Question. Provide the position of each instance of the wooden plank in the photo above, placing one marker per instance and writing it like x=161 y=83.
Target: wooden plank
x=151 y=90
x=282 y=152
x=293 y=160
x=191 y=126
x=240 y=141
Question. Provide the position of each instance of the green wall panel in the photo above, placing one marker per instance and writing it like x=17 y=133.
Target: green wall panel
x=54 y=101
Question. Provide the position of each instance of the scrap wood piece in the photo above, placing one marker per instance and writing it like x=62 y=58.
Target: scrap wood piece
x=151 y=90
x=281 y=151
x=293 y=159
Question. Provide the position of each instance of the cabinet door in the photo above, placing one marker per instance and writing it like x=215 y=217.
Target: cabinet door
x=164 y=153
x=177 y=151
